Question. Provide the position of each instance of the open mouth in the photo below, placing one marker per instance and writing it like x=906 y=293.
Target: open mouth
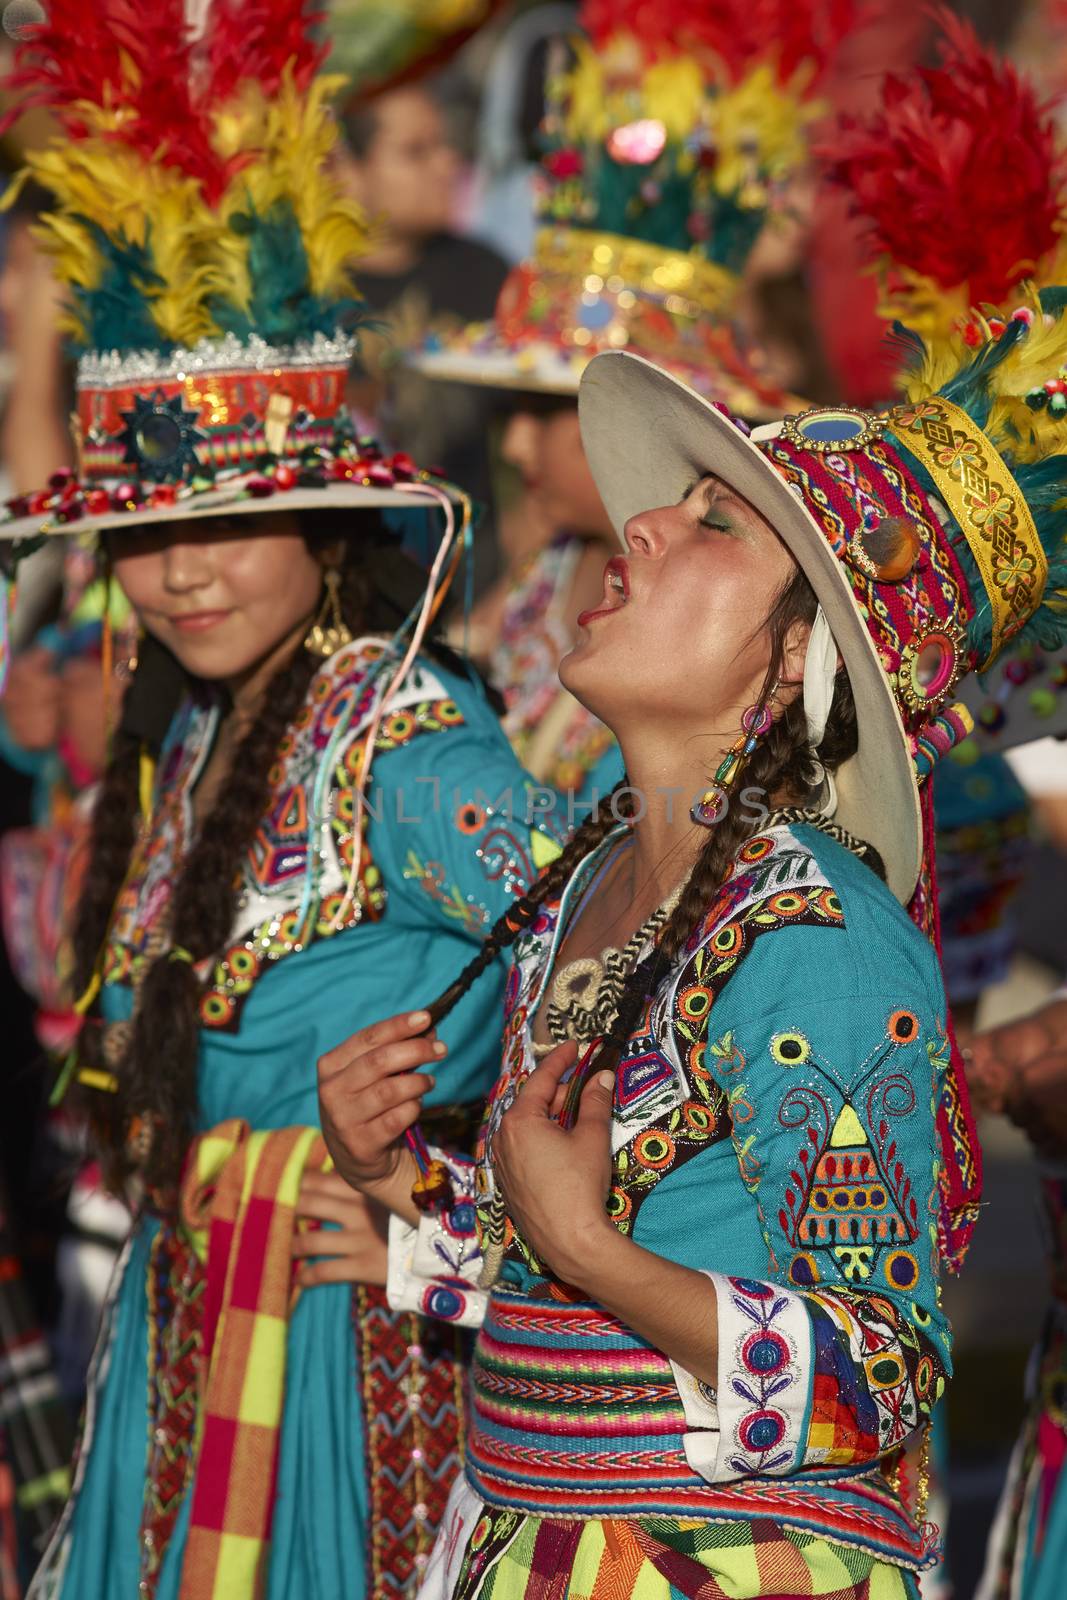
x=616 y=591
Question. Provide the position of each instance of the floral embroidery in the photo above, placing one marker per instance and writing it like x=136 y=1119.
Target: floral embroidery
x=430 y=876
x=765 y=1375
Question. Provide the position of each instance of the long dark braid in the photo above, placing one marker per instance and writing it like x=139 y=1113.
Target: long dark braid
x=154 y=1056
x=596 y=827
x=782 y=763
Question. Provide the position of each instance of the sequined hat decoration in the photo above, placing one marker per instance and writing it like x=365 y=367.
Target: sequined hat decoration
x=670 y=140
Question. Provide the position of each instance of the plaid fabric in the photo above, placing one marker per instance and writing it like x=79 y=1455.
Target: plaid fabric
x=33 y=1416
x=511 y=1557
x=239 y=1200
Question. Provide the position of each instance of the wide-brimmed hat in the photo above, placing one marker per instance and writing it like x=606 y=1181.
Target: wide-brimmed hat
x=207 y=255
x=913 y=527
x=670 y=141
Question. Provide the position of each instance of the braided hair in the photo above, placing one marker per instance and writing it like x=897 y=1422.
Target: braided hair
x=154 y=1055
x=781 y=763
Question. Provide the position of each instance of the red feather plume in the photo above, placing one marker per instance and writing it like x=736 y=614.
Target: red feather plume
x=958 y=175
x=140 y=55
x=738 y=34
x=254 y=41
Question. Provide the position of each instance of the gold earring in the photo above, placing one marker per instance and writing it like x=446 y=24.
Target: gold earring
x=329 y=632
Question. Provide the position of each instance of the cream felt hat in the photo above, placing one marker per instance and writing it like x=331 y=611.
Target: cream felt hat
x=647 y=436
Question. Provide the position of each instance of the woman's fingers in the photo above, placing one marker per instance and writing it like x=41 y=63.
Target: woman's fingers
x=377 y=1099
x=539 y=1092
x=370 y=1267
x=379 y=1036
x=327 y=1242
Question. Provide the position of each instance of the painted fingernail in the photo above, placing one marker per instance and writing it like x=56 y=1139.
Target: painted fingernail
x=418 y=1019
x=440 y=1048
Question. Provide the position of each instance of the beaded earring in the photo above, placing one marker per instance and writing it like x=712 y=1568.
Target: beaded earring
x=711 y=807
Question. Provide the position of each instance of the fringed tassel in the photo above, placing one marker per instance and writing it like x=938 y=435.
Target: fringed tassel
x=939 y=736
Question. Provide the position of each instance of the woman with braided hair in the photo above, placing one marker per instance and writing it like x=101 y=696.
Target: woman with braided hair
x=309 y=808
x=729 y=1153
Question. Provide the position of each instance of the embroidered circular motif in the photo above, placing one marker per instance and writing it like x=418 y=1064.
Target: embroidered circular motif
x=765 y=1353
x=470 y=818
x=694 y=1003
x=753 y=1288
x=445 y=1302
x=804 y=1271
x=828 y=905
x=762 y=1430
x=885 y=1371
x=216 y=1009
x=727 y=940
x=924 y=1377
x=902 y=1027
x=790 y=1049
x=460 y=1221
x=653 y=1149
x=901 y=1270
x=787 y=904
x=755 y=849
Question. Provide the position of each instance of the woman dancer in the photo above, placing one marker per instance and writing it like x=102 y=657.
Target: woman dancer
x=291 y=828
x=709 y=1256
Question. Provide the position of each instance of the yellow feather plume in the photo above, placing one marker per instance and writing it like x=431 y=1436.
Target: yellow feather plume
x=759 y=130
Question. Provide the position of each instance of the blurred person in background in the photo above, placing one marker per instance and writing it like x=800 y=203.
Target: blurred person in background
x=420 y=279
x=52 y=733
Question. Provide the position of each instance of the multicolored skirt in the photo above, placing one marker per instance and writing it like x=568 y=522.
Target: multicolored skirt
x=498 y=1553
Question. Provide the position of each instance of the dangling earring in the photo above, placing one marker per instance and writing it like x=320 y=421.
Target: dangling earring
x=329 y=632
x=711 y=807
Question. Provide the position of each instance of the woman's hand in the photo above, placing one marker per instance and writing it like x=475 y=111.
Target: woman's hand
x=555 y=1185
x=555 y=1182
x=356 y=1250
x=369 y=1094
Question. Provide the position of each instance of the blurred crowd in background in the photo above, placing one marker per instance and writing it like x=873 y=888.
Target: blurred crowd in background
x=441 y=147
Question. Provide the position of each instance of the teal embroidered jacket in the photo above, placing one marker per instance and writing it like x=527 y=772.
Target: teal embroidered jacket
x=774 y=1127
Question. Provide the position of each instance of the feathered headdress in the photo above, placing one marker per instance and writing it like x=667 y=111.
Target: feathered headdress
x=679 y=124
x=193 y=196
x=207 y=252
x=668 y=141
x=962 y=184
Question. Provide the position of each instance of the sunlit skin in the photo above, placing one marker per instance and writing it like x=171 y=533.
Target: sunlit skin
x=670 y=663
x=232 y=600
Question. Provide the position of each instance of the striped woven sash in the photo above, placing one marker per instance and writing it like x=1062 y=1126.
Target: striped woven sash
x=574 y=1416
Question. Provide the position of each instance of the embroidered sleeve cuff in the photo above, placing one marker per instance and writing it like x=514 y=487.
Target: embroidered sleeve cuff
x=756 y=1422
x=434 y=1268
